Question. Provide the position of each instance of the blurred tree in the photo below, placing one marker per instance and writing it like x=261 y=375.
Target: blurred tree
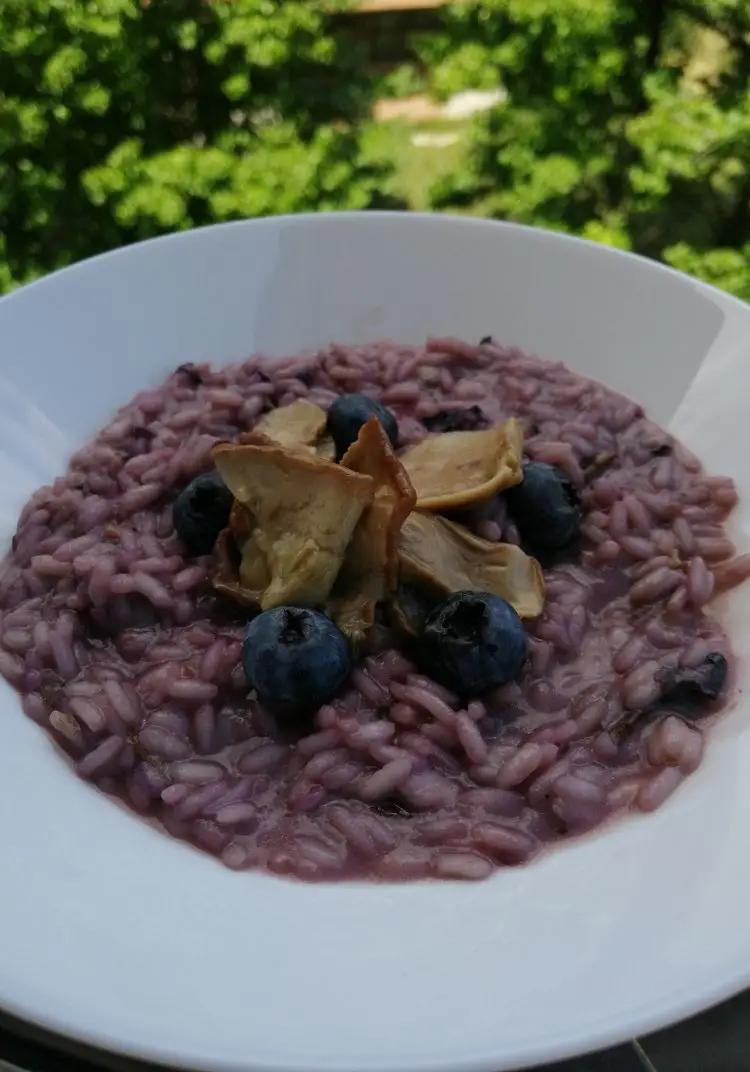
x=120 y=119
x=624 y=121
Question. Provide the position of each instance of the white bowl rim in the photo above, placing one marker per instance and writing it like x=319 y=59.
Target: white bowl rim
x=356 y=217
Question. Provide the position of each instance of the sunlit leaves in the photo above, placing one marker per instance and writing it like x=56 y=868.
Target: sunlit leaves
x=624 y=122
x=121 y=119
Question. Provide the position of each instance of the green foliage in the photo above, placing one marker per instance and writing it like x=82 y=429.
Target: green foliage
x=624 y=121
x=725 y=268
x=242 y=174
x=413 y=168
x=402 y=81
x=120 y=119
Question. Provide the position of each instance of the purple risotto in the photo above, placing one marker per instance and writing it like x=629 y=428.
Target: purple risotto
x=381 y=611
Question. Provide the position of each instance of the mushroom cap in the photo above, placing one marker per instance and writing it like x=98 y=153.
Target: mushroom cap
x=369 y=571
x=440 y=556
x=453 y=470
x=304 y=511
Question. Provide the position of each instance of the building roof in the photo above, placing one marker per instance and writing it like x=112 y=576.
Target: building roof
x=371 y=6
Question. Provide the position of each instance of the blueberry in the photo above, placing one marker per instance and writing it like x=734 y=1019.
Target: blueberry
x=469 y=419
x=295 y=658
x=347 y=415
x=191 y=372
x=691 y=687
x=201 y=511
x=473 y=642
x=688 y=690
x=545 y=507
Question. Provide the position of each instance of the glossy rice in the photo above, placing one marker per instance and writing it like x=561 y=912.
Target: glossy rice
x=119 y=648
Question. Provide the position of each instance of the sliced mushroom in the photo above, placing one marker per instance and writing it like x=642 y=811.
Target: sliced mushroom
x=304 y=510
x=298 y=426
x=225 y=573
x=370 y=567
x=409 y=606
x=240 y=522
x=324 y=448
x=437 y=557
x=457 y=469
x=227 y=561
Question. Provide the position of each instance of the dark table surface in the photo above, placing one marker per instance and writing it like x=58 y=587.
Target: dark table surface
x=716 y=1041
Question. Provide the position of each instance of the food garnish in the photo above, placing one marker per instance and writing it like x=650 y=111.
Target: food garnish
x=459 y=469
x=346 y=538
x=304 y=511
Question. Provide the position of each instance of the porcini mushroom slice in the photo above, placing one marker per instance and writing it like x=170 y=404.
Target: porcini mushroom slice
x=225 y=572
x=326 y=448
x=298 y=426
x=442 y=557
x=410 y=604
x=456 y=469
x=370 y=566
x=304 y=511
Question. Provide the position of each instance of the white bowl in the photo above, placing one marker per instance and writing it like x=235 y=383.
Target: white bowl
x=112 y=933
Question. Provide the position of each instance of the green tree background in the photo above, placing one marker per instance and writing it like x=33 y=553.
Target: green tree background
x=122 y=119
x=626 y=121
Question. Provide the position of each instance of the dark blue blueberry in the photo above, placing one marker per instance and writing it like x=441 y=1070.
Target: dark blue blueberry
x=690 y=688
x=474 y=641
x=545 y=507
x=191 y=372
x=468 y=419
x=295 y=658
x=201 y=511
x=347 y=415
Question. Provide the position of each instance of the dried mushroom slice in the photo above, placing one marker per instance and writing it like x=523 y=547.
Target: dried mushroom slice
x=457 y=469
x=378 y=530
x=240 y=523
x=370 y=567
x=298 y=426
x=326 y=448
x=225 y=572
x=443 y=557
x=410 y=605
x=304 y=511
x=252 y=570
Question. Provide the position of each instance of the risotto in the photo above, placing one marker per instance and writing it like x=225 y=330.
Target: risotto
x=505 y=609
